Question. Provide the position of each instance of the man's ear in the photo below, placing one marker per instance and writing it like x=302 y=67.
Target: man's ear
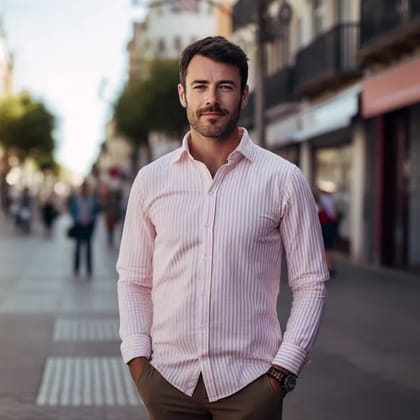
x=181 y=95
x=245 y=95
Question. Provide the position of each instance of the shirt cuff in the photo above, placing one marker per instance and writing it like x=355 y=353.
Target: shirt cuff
x=136 y=346
x=290 y=357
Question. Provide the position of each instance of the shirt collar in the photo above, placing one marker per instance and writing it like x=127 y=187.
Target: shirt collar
x=245 y=148
x=184 y=150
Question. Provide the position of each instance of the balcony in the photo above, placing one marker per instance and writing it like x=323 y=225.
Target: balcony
x=329 y=61
x=278 y=90
x=388 y=28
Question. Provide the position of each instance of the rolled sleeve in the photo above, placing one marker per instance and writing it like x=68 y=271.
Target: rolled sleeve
x=291 y=357
x=136 y=346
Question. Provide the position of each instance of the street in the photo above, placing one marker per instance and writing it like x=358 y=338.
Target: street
x=60 y=359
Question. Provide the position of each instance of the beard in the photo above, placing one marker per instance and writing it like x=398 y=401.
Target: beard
x=217 y=128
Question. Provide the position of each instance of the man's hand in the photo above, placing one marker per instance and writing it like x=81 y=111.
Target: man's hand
x=276 y=385
x=137 y=365
x=276 y=388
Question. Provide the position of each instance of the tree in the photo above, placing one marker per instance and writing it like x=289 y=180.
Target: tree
x=26 y=127
x=151 y=105
x=162 y=109
x=129 y=121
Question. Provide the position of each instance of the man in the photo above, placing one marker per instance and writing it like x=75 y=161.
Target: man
x=200 y=259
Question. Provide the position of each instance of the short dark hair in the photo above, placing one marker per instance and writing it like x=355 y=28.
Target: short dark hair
x=219 y=49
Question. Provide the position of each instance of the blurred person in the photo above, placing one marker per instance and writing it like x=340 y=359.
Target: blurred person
x=24 y=211
x=83 y=208
x=200 y=260
x=49 y=214
x=328 y=217
x=112 y=212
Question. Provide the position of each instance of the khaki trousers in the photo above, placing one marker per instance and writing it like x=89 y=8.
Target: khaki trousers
x=257 y=401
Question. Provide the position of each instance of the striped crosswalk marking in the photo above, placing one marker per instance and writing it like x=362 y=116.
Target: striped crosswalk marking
x=86 y=329
x=86 y=381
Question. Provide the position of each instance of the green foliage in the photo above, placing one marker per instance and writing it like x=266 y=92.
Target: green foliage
x=27 y=126
x=151 y=105
x=163 y=110
x=127 y=115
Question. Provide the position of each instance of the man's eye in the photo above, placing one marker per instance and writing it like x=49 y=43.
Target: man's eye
x=198 y=87
x=226 y=87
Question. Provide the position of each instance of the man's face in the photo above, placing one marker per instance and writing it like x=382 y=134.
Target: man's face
x=212 y=96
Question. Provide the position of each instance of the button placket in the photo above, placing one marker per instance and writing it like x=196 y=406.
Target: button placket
x=205 y=287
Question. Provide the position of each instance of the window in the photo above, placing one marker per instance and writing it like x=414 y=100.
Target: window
x=299 y=33
x=177 y=44
x=161 y=47
x=182 y=6
x=318 y=16
x=344 y=11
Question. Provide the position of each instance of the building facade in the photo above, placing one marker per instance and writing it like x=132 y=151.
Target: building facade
x=390 y=106
x=341 y=97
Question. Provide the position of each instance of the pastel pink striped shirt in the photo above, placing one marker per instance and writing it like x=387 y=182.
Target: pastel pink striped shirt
x=199 y=268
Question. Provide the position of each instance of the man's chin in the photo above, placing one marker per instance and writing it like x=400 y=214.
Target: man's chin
x=216 y=134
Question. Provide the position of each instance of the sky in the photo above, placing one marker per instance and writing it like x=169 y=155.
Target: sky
x=71 y=55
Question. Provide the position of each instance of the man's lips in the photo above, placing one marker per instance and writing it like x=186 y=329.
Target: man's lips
x=212 y=113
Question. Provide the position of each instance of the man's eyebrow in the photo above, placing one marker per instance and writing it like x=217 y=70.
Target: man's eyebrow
x=220 y=82
x=200 y=82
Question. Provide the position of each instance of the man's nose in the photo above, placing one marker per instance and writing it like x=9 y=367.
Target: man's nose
x=212 y=97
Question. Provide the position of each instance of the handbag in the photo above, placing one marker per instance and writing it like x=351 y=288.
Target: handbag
x=72 y=232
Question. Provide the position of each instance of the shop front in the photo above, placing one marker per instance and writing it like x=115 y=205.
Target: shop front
x=280 y=137
x=390 y=106
x=326 y=138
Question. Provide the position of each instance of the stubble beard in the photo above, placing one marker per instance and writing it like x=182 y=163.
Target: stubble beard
x=212 y=129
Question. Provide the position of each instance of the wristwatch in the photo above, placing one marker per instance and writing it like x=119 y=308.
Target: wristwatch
x=286 y=379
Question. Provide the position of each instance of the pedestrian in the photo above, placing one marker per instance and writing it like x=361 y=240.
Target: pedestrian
x=200 y=259
x=24 y=211
x=328 y=217
x=49 y=214
x=83 y=208
x=112 y=213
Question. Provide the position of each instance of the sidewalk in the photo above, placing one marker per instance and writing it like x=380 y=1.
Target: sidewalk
x=60 y=359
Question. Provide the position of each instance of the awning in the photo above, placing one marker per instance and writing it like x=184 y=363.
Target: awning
x=329 y=115
x=392 y=89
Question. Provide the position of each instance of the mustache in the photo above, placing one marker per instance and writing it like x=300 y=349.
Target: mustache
x=214 y=108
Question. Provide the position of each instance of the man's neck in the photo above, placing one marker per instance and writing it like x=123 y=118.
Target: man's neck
x=213 y=152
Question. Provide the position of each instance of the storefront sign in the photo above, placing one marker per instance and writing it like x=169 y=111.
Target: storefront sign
x=391 y=89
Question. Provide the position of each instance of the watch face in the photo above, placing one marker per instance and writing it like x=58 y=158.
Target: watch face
x=289 y=383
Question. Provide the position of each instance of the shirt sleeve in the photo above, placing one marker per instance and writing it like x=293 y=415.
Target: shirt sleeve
x=134 y=267
x=307 y=272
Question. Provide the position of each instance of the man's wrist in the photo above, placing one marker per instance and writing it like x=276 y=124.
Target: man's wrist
x=136 y=367
x=284 y=377
x=283 y=369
